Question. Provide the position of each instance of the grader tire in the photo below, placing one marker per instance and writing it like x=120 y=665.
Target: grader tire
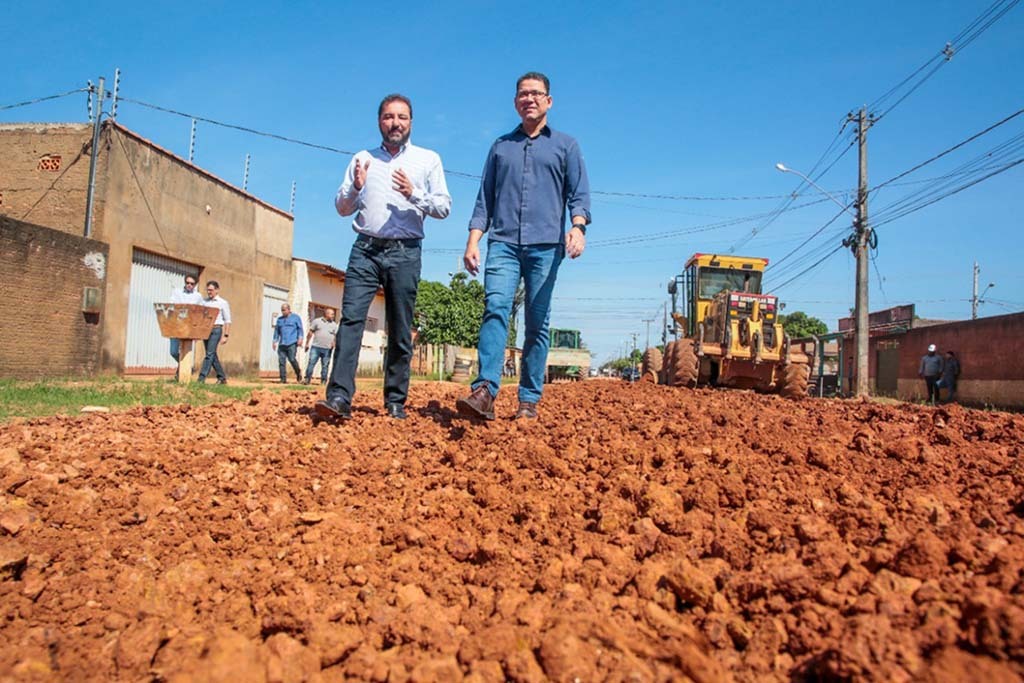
x=793 y=383
x=652 y=361
x=582 y=373
x=650 y=377
x=686 y=365
x=665 y=376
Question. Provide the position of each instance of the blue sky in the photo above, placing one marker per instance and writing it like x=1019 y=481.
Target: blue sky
x=683 y=99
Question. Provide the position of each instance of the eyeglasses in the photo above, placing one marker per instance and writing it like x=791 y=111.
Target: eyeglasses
x=530 y=94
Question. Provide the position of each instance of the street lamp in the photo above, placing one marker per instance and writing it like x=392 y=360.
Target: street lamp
x=785 y=169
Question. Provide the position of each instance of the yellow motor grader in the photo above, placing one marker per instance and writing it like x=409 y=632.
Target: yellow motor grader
x=731 y=334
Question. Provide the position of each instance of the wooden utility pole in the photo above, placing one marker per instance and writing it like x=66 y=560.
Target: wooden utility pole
x=862 y=238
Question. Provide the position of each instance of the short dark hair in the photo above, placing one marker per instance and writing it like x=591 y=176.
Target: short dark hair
x=214 y=283
x=534 y=76
x=394 y=97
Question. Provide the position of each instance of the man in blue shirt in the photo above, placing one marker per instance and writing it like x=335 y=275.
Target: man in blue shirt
x=531 y=178
x=287 y=333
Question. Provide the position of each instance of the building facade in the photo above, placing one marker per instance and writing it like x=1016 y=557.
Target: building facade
x=160 y=218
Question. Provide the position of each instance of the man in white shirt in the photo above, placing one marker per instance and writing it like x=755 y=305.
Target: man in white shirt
x=219 y=334
x=390 y=189
x=188 y=295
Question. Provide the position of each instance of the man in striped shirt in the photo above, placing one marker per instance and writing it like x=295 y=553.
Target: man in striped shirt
x=390 y=189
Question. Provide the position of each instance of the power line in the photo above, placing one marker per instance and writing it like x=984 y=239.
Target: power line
x=948 y=151
x=42 y=99
x=967 y=35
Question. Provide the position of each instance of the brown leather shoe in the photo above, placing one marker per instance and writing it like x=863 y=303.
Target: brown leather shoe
x=527 y=411
x=480 y=403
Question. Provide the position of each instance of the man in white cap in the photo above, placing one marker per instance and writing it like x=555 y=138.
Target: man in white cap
x=931 y=371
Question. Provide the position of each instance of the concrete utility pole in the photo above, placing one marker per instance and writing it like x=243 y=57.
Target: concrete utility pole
x=975 y=298
x=94 y=153
x=632 y=358
x=648 y=321
x=664 y=324
x=862 y=237
x=974 y=293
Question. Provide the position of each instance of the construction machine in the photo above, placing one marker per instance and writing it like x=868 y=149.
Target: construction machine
x=731 y=334
x=567 y=359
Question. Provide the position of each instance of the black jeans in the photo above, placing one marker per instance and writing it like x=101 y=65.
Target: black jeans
x=212 y=360
x=933 y=391
x=286 y=354
x=395 y=266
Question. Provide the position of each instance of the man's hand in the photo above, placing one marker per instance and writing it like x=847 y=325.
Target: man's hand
x=273 y=346
x=306 y=348
x=360 y=173
x=402 y=183
x=575 y=242
x=471 y=259
x=223 y=340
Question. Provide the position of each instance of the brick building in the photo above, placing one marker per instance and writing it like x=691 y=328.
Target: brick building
x=157 y=217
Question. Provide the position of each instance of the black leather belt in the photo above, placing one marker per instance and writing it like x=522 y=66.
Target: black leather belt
x=384 y=243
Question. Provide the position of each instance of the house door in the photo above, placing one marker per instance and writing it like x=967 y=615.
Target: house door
x=153 y=279
x=887 y=371
x=273 y=297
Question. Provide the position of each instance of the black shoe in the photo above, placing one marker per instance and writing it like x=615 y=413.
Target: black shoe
x=222 y=380
x=333 y=408
x=305 y=381
x=396 y=410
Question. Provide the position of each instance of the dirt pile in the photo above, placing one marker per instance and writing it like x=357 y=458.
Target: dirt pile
x=631 y=533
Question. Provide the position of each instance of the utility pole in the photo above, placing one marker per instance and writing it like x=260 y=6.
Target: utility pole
x=632 y=359
x=94 y=153
x=192 y=143
x=648 y=321
x=117 y=88
x=974 y=294
x=245 y=176
x=664 y=324
x=860 y=242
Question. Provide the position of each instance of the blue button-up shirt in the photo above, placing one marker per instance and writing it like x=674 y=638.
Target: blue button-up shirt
x=527 y=185
x=288 y=329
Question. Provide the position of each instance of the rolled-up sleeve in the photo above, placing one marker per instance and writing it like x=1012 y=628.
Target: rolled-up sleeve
x=577 y=185
x=433 y=199
x=482 y=211
x=226 y=312
x=348 y=199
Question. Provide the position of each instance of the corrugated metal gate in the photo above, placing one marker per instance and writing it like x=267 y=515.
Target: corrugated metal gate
x=273 y=297
x=154 y=278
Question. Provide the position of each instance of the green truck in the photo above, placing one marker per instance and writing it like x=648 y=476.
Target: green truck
x=568 y=360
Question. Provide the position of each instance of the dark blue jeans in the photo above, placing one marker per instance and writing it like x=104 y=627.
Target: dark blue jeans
x=318 y=354
x=393 y=265
x=286 y=354
x=211 y=359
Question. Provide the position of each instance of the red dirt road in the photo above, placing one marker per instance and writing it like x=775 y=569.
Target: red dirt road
x=632 y=533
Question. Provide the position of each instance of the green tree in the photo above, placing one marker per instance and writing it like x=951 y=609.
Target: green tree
x=450 y=314
x=798 y=324
x=513 y=319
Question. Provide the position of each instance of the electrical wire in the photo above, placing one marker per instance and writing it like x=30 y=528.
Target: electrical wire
x=965 y=37
x=42 y=99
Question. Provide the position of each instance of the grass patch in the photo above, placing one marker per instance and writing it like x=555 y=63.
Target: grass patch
x=56 y=397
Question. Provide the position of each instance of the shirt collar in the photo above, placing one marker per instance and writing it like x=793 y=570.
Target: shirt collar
x=401 y=150
x=545 y=131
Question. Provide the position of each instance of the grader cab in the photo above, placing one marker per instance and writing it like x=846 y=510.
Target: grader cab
x=731 y=334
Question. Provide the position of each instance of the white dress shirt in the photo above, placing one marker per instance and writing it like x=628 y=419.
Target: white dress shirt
x=223 y=312
x=183 y=296
x=382 y=211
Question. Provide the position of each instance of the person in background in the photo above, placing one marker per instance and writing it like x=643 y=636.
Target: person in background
x=287 y=334
x=187 y=295
x=931 y=370
x=322 y=332
x=950 y=373
x=219 y=335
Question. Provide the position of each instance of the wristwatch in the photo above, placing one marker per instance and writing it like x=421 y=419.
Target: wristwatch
x=582 y=227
